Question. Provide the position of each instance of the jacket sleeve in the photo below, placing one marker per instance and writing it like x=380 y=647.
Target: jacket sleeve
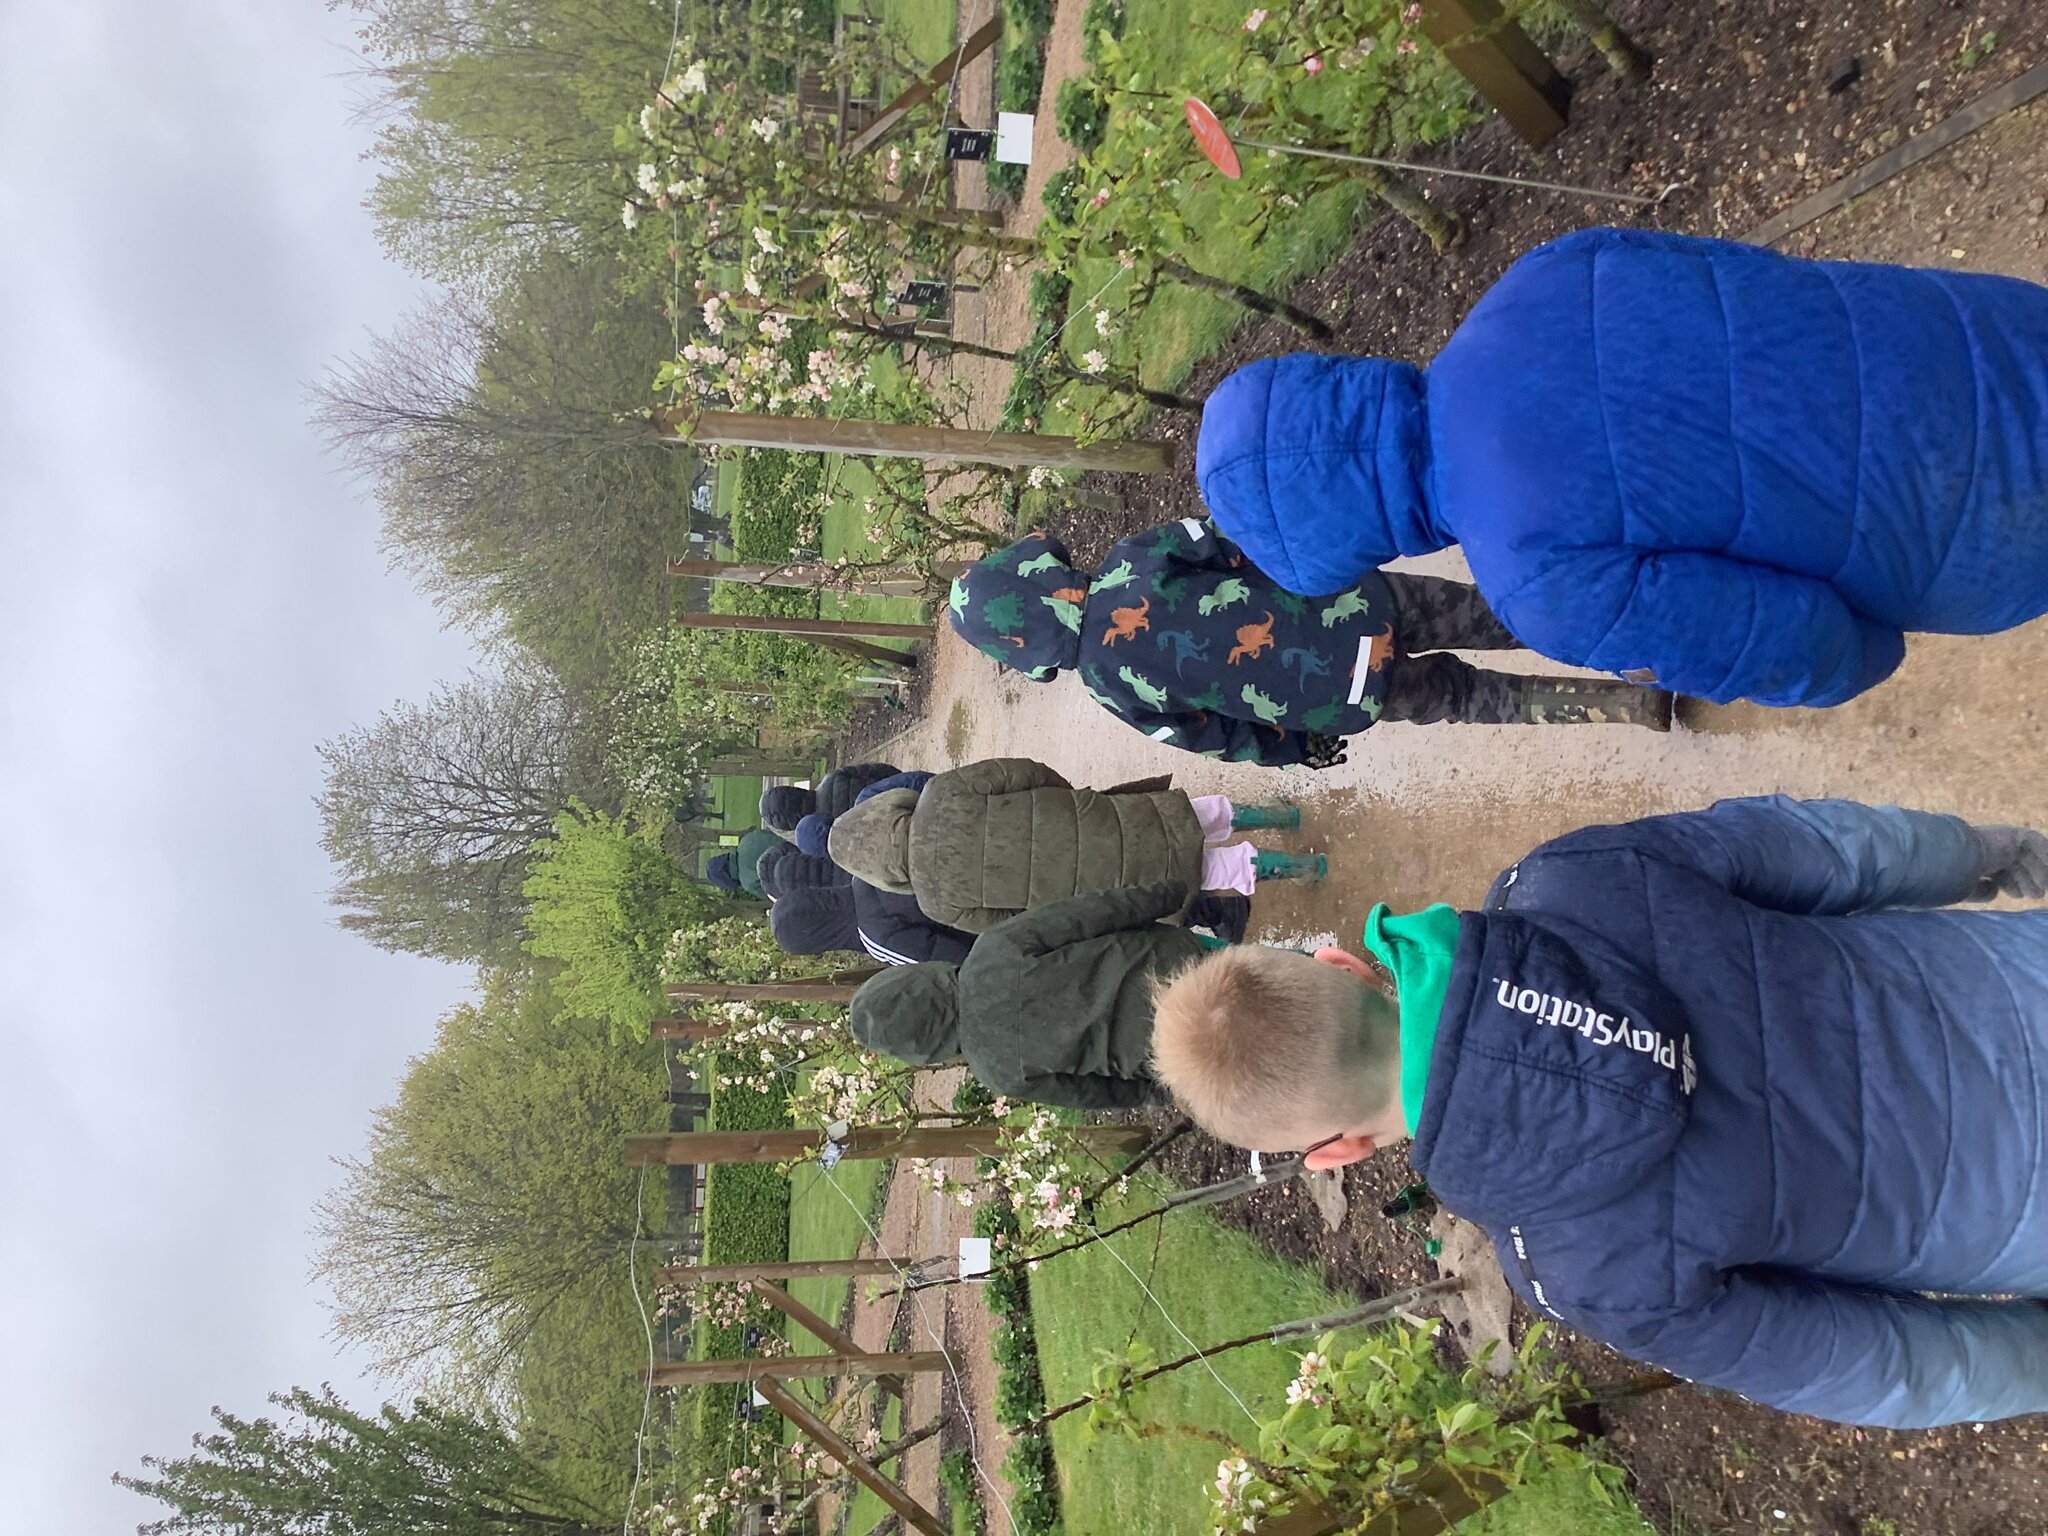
x=1820 y=857
x=1094 y=915
x=1851 y=1355
x=1004 y=776
x=1706 y=625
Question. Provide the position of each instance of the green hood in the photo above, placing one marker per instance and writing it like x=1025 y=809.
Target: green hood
x=911 y=1012
x=871 y=842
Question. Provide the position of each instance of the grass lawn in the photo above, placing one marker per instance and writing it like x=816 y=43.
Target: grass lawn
x=1216 y=1284
x=824 y=1226
x=737 y=799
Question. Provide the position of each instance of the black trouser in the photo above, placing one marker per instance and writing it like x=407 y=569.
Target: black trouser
x=1427 y=687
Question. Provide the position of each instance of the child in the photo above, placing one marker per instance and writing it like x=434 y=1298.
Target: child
x=1721 y=1096
x=1053 y=1007
x=989 y=840
x=1185 y=640
x=1745 y=474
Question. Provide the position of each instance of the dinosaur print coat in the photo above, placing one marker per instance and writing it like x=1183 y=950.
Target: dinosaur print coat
x=1184 y=638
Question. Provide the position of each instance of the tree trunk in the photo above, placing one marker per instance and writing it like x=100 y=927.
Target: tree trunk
x=1406 y=199
x=948 y=346
x=1621 y=51
x=1309 y=325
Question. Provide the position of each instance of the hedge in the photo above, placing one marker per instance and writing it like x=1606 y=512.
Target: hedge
x=746 y=1221
x=777 y=492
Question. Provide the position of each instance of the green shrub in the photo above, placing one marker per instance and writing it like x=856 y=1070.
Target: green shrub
x=1062 y=195
x=1019 y=79
x=605 y=904
x=778 y=504
x=1032 y=18
x=746 y=1221
x=1100 y=17
x=962 y=1486
x=1020 y=1387
x=1081 y=114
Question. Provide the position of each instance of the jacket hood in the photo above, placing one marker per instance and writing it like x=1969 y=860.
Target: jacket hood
x=784 y=805
x=720 y=873
x=1318 y=467
x=1022 y=605
x=814 y=922
x=1542 y=1044
x=814 y=836
x=837 y=789
x=911 y=1012
x=788 y=869
x=871 y=842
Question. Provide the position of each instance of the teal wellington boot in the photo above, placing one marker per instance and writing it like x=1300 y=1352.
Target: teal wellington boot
x=1277 y=817
x=1307 y=868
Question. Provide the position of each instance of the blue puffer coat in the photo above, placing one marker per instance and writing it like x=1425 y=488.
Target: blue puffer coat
x=1749 y=473
x=1719 y=1107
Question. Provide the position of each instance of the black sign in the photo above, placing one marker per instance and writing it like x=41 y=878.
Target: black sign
x=970 y=143
x=921 y=293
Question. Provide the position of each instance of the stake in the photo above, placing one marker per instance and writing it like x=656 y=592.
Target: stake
x=830 y=987
x=1439 y=170
x=861 y=1144
x=821 y=1434
x=703 y=1373
x=795 y=1269
x=776 y=624
x=889 y=440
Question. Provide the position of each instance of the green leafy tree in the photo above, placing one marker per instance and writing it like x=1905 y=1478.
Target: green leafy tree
x=492 y=1191
x=605 y=905
x=323 y=1469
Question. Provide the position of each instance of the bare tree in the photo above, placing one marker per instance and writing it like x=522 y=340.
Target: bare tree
x=431 y=812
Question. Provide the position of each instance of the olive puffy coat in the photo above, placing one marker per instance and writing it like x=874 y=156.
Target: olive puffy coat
x=995 y=838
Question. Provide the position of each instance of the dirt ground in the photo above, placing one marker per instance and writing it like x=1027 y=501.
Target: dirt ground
x=1740 y=115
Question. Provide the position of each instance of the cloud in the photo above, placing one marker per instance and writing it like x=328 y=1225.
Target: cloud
x=191 y=598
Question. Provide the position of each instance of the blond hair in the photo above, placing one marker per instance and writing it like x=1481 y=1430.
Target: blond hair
x=1273 y=1049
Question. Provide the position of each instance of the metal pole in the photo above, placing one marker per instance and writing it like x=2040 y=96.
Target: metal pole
x=1438 y=170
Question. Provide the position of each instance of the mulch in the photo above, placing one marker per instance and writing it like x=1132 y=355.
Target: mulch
x=1740 y=113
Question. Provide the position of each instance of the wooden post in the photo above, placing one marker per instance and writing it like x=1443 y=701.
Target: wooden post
x=888 y=580
x=776 y=624
x=825 y=1333
x=685 y=1028
x=822 y=1435
x=794 y=1269
x=704 y=1373
x=1503 y=63
x=891 y=117
x=889 y=440
x=830 y=987
x=861 y=1143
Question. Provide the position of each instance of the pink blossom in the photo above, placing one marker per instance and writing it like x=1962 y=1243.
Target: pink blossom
x=1411 y=15
x=1256 y=20
x=1312 y=65
x=1407 y=45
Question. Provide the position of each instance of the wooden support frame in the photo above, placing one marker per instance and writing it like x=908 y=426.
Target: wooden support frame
x=885 y=581
x=825 y=1333
x=704 y=1373
x=1503 y=63
x=863 y=1471
x=793 y=1269
x=889 y=440
x=861 y=1143
x=828 y=987
x=891 y=117
x=683 y=1027
x=776 y=624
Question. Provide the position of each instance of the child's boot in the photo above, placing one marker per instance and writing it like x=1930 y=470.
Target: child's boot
x=1592 y=701
x=1277 y=816
x=1304 y=867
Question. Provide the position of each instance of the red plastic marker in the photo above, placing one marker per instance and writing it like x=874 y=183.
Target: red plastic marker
x=1212 y=139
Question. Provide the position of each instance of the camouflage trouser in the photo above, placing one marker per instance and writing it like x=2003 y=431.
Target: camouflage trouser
x=1427 y=687
x=1432 y=615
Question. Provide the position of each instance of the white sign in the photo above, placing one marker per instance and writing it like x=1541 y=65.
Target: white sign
x=1013 y=137
x=974 y=1258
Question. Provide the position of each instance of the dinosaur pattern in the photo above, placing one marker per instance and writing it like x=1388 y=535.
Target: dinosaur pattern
x=1269 y=711
x=1045 y=562
x=1066 y=610
x=1226 y=592
x=1304 y=663
x=1150 y=694
x=1253 y=640
x=1184 y=645
x=1121 y=576
x=1126 y=623
x=1241 y=669
x=1347 y=605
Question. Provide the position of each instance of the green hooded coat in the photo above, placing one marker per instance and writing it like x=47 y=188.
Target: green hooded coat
x=746 y=859
x=1053 y=1007
x=992 y=839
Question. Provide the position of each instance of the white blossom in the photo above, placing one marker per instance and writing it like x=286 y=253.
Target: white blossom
x=629 y=215
x=649 y=179
x=764 y=128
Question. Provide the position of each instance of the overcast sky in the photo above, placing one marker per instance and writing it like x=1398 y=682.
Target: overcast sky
x=191 y=598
